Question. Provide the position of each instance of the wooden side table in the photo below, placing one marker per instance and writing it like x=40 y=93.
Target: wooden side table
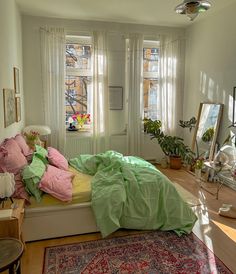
x=11 y=251
x=12 y=227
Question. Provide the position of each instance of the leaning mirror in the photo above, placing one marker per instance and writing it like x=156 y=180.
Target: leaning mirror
x=206 y=130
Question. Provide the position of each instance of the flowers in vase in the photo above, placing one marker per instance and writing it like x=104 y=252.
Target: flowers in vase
x=81 y=118
x=32 y=138
x=199 y=163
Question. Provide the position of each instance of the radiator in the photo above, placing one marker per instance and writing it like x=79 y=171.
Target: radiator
x=78 y=145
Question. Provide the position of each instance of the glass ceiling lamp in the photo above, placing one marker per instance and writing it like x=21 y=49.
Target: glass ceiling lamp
x=192 y=8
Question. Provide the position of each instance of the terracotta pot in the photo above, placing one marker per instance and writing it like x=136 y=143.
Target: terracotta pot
x=175 y=162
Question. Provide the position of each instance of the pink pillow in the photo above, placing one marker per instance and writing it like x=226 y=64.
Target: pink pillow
x=20 y=192
x=58 y=183
x=26 y=150
x=11 y=158
x=56 y=159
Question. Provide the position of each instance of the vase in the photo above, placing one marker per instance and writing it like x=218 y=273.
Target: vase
x=198 y=174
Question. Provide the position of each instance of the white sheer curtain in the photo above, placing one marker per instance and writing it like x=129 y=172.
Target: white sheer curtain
x=100 y=110
x=171 y=83
x=53 y=76
x=135 y=94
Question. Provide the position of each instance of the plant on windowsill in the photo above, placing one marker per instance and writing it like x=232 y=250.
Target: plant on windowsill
x=172 y=146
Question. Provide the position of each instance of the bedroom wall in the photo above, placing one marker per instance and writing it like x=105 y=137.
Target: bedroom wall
x=210 y=69
x=10 y=56
x=116 y=45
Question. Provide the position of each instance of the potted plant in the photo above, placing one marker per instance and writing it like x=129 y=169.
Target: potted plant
x=172 y=146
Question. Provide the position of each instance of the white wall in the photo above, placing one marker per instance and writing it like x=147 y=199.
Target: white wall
x=10 y=56
x=211 y=65
x=116 y=54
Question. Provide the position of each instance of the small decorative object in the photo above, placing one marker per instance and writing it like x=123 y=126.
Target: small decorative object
x=42 y=130
x=199 y=163
x=32 y=138
x=164 y=163
x=81 y=119
x=9 y=107
x=71 y=127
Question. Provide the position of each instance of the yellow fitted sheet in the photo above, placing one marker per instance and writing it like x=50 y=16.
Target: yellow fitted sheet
x=81 y=192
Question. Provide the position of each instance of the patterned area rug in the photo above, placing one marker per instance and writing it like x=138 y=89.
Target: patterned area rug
x=151 y=252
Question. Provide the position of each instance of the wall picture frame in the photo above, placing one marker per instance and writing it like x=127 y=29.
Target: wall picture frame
x=16 y=73
x=9 y=106
x=116 y=97
x=18 y=109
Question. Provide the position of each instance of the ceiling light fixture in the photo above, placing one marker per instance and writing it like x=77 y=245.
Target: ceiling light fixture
x=192 y=8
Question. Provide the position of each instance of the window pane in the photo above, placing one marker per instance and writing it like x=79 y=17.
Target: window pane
x=78 y=56
x=150 y=98
x=150 y=59
x=77 y=89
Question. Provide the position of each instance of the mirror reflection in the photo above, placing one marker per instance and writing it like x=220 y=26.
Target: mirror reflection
x=206 y=130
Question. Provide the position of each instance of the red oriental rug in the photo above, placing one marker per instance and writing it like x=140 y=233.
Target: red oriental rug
x=151 y=252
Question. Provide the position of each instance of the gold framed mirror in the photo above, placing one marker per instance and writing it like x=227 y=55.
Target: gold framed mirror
x=206 y=130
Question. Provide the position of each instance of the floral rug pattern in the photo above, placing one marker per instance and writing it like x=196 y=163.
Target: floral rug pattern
x=149 y=253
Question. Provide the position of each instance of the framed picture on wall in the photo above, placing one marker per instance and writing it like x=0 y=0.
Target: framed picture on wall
x=16 y=80
x=18 y=109
x=116 y=97
x=9 y=106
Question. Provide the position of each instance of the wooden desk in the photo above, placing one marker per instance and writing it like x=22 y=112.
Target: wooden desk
x=11 y=251
x=12 y=227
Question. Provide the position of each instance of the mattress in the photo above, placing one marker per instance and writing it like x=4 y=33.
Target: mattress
x=81 y=192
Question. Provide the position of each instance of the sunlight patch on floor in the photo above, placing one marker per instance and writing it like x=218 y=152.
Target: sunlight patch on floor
x=229 y=231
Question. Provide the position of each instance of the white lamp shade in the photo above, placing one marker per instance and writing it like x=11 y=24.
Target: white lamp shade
x=42 y=130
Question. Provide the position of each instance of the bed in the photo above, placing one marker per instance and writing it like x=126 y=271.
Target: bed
x=108 y=191
x=53 y=218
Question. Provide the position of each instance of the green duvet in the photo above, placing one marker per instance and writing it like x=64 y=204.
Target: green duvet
x=128 y=192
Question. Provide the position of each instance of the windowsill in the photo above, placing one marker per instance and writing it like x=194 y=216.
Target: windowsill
x=79 y=133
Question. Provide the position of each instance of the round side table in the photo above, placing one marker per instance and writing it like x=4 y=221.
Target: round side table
x=11 y=251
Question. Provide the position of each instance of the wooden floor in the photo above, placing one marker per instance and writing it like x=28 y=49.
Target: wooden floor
x=218 y=233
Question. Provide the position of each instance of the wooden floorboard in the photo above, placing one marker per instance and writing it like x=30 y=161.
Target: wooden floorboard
x=217 y=232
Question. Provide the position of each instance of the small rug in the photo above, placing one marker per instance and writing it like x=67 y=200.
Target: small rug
x=149 y=253
x=187 y=196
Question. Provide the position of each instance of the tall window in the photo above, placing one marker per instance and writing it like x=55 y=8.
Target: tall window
x=78 y=80
x=150 y=79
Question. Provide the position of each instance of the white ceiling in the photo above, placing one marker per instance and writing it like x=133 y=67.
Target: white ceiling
x=150 y=12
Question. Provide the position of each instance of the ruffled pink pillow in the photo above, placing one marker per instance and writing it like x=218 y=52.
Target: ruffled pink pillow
x=11 y=158
x=58 y=183
x=56 y=159
x=26 y=150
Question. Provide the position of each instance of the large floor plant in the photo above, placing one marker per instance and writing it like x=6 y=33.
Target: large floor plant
x=171 y=146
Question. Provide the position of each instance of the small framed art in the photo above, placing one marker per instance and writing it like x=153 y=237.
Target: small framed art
x=9 y=106
x=18 y=109
x=16 y=80
x=116 y=97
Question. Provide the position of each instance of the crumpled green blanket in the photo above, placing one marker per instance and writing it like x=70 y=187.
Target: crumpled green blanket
x=128 y=192
x=33 y=173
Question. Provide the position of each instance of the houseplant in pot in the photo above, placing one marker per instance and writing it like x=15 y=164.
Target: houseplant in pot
x=172 y=146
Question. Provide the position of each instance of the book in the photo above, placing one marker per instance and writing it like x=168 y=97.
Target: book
x=6 y=214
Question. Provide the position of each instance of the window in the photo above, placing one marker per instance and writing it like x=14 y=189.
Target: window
x=150 y=79
x=78 y=80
